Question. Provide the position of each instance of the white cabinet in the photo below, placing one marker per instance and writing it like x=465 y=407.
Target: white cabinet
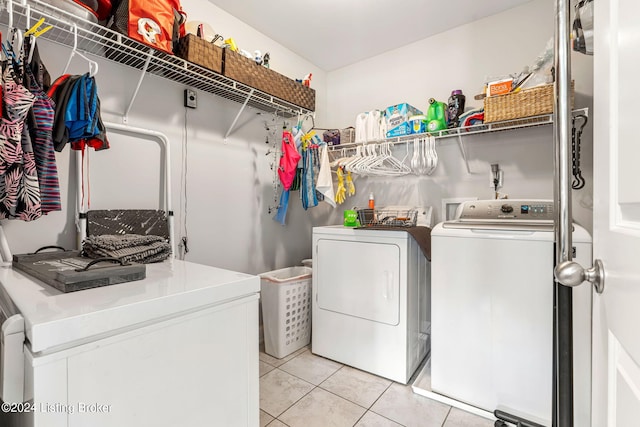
x=179 y=348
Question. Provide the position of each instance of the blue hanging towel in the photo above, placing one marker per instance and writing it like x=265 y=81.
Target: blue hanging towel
x=81 y=115
x=308 y=188
x=282 y=208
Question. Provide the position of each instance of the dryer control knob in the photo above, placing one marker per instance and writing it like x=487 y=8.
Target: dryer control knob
x=506 y=208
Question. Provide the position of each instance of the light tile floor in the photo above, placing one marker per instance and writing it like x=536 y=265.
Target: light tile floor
x=305 y=390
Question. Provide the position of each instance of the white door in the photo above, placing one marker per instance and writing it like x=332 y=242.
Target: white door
x=616 y=356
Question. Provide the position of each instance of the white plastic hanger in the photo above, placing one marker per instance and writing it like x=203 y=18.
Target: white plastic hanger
x=93 y=65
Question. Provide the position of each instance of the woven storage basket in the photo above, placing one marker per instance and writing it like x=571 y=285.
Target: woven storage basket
x=245 y=70
x=200 y=51
x=525 y=103
x=347 y=135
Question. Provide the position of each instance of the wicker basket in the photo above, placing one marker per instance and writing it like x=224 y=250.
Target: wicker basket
x=347 y=135
x=525 y=103
x=245 y=70
x=201 y=52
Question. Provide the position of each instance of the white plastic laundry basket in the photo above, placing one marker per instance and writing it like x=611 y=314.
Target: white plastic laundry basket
x=285 y=295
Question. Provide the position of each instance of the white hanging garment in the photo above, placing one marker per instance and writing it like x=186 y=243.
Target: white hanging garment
x=361 y=128
x=373 y=125
x=325 y=182
x=383 y=126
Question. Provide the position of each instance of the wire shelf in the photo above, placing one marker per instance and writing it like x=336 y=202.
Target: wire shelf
x=521 y=123
x=102 y=42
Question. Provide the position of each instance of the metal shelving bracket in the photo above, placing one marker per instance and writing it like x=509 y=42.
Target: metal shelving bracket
x=464 y=153
x=125 y=118
x=235 y=120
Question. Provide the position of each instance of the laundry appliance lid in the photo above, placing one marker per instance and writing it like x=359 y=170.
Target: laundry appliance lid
x=56 y=320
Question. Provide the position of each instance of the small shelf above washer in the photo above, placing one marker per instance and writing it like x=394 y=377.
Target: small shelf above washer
x=525 y=122
x=100 y=41
x=460 y=132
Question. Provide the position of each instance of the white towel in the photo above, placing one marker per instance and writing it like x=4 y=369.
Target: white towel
x=325 y=181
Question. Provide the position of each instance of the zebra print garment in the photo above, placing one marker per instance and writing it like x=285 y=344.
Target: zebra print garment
x=19 y=187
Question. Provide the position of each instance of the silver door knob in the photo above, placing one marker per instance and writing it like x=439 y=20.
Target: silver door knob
x=570 y=273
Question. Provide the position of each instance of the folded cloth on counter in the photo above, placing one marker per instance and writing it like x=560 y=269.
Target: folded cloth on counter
x=128 y=247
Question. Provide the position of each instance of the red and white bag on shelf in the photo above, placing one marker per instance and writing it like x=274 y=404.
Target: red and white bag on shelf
x=157 y=23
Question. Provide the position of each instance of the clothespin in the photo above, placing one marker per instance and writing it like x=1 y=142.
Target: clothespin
x=42 y=31
x=35 y=31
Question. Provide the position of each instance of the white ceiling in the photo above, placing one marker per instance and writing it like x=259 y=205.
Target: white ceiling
x=334 y=33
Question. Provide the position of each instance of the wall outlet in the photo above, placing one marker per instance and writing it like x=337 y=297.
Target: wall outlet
x=190 y=98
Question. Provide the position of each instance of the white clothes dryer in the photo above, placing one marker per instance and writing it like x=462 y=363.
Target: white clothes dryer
x=370 y=300
x=492 y=310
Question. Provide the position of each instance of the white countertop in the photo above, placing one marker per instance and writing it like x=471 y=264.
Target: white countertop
x=54 y=319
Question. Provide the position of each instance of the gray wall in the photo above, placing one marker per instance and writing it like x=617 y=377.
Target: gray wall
x=229 y=184
x=463 y=58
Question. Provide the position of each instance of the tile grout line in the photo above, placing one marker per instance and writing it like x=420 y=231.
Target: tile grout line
x=367 y=409
x=277 y=419
x=301 y=397
x=361 y=417
x=381 y=394
x=376 y=401
x=386 y=418
x=447 y=417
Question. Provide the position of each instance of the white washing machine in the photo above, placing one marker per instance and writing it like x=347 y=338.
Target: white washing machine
x=370 y=300
x=492 y=310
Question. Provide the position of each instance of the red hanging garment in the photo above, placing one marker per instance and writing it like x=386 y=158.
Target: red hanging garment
x=288 y=160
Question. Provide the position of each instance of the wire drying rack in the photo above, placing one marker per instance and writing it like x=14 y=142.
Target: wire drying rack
x=387 y=218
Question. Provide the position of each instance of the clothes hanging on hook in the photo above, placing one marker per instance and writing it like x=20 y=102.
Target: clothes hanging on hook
x=28 y=168
x=77 y=118
x=324 y=183
x=41 y=127
x=39 y=70
x=308 y=188
x=20 y=191
x=288 y=161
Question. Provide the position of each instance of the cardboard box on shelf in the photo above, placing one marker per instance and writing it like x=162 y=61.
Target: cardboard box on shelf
x=397 y=118
x=499 y=87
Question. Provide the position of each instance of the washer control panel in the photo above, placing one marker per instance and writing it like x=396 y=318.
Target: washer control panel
x=506 y=210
